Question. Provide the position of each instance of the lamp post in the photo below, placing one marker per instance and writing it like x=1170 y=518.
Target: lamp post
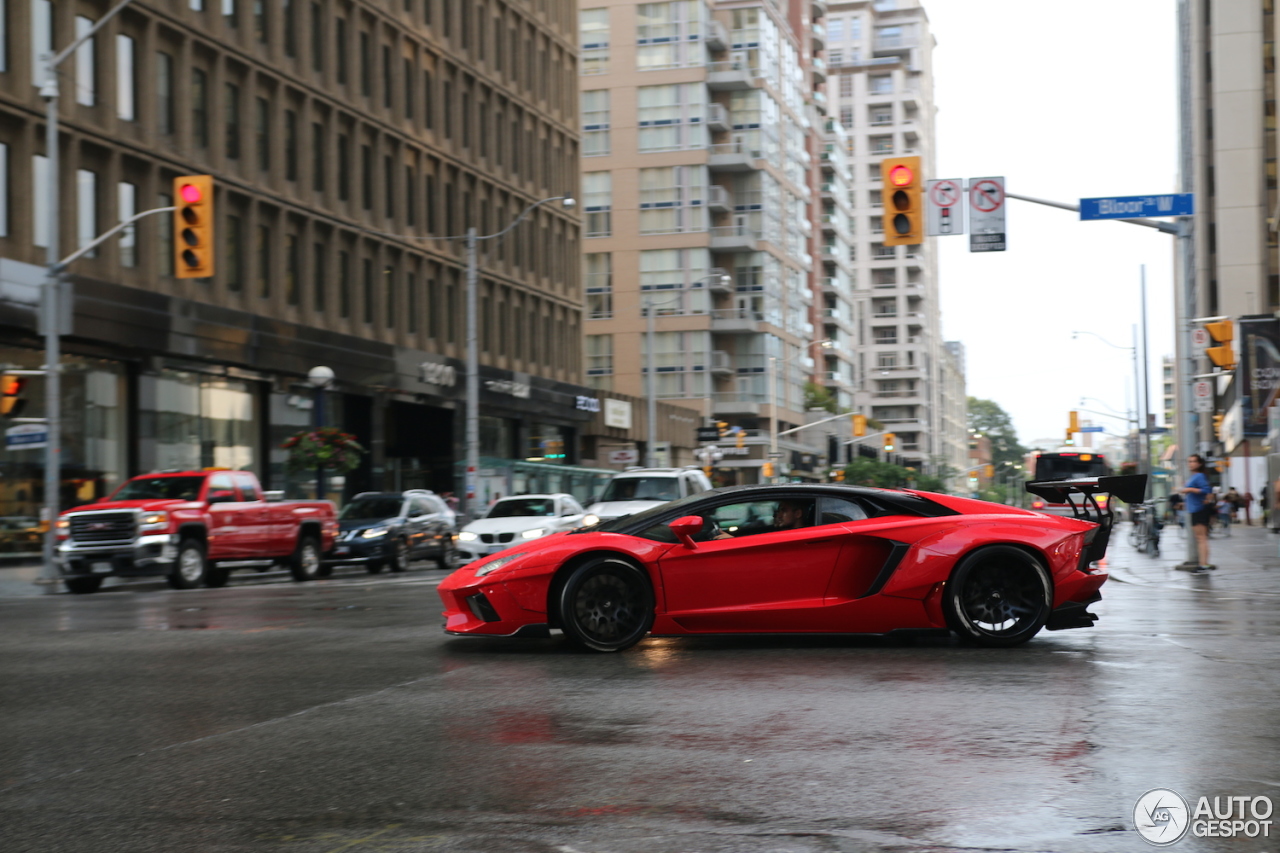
x=321 y=379
x=773 y=398
x=1141 y=414
x=50 y=309
x=651 y=433
x=473 y=349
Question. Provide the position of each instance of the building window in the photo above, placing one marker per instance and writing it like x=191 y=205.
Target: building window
x=835 y=29
x=411 y=294
x=595 y=123
x=86 y=208
x=260 y=21
x=679 y=361
x=41 y=37
x=846 y=85
x=880 y=84
x=344 y=284
x=671 y=117
x=126 y=90
x=317 y=38
x=855 y=28
x=292 y=271
x=344 y=167
x=290 y=28
x=673 y=199
x=597 y=277
x=235 y=254
x=846 y=118
x=880 y=115
x=200 y=108
x=369 y=285
x=366 y=65
x=876 y=224
x=229 y=13
x=835 y=58
x=389 y=289
x=263 y=252
x=164 y=93
x=593 y=39
x=127 y=206
x=597 y=203
x=674 y=281
x=262 y=133
x=290 y=145
x=318 y=161
x=408 y=88
x=669 y=35
x=233 y=121
x=389 y=186
x=386 y=76
x=85 y=60
x=599 y=355
x=340 y=55
x=319 y=275
x=881 y=145
x=366 y=177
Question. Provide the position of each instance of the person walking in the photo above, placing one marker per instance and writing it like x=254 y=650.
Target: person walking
x=1197 y=490
x=1246 y=501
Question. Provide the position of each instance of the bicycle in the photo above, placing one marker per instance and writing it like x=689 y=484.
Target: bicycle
x=1144 y=533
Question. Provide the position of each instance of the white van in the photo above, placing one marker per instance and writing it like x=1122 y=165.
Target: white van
x=638 y=489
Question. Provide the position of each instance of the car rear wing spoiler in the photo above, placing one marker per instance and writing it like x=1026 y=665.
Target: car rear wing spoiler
x=1082 y=496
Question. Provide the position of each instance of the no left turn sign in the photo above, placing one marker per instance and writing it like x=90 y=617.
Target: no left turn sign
x=986 y=215
x=986 y=195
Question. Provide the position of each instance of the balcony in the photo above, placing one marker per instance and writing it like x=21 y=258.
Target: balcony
x=715 y=39
x=716 y=281
x=894 y=44
x=718 y=199
x=734 y=238
x=818 y=35
x=736 y=321
x=836 y=317
x=738 y=403
x=717 y=118
x=818 y=9
x=731 y=75
x=732 y=157
x=721 y=363
x=819 y=66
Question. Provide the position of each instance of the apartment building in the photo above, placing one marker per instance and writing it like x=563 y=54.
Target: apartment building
x=347 y=139
x=879 y=56
x=702 y=129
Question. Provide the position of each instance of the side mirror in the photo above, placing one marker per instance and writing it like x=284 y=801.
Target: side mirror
x=684 y=528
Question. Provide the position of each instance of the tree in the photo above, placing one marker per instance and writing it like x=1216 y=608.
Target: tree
x=872 y=472
x=987 y=418
x=819 y=397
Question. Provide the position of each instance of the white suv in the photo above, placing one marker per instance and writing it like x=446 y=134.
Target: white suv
x=639 y=489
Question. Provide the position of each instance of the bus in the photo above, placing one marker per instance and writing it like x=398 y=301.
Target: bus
x=1066 y=463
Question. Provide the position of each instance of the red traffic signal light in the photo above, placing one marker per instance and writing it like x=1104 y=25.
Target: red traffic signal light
x=901 y=176
x=904 y=201
x=193 y=226
x=11 y=400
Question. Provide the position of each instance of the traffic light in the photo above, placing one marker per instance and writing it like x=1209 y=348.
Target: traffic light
x=722 y=428
x=707 y=470
x=903 y=201
x=990 y=471
x=1222 y=333
x=742 y=437
x=11 y=400
x=766 y=470
x=838 y=475
x=1070 y=439
x=1073 y=421
x=887 y=441
x=1217 y=426
x=859 y=425
x=193 y=226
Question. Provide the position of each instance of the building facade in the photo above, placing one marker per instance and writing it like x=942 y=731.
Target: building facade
x=348 y=141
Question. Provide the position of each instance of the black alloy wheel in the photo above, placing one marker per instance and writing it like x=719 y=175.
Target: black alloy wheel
x=448 y=557
x=190 y=567
x=999 y=596
x=606 y=605
x=400 y=556
x=305 y=563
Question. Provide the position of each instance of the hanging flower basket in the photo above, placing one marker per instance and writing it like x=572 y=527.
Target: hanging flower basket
x=325 y=447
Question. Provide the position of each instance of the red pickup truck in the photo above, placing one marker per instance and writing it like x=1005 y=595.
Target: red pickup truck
x=192 y=527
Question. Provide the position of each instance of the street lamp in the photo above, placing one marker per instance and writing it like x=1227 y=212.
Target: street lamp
x=50 y=309
x=826 y=343
x=321 y=379
x=1140 y=412
x=651 y=384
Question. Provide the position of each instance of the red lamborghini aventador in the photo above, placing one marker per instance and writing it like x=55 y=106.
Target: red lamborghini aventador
x=800 y=559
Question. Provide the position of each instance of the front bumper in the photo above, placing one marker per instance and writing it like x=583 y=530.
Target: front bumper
x=358 y=550
x=471 y=551
x=145 y=556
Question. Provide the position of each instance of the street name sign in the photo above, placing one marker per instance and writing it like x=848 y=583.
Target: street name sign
x=1093 y=429
x=943 y=207
x=1137 y=206
x=26 y=437
x=711 y=434
x=986 y=215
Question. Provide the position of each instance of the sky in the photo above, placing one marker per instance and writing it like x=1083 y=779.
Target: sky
x=1066 y=101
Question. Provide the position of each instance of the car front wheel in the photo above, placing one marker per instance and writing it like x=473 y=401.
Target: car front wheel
x=305 y=564
x=400 y=556
x=606 y=605
x=999 y=596
x=190 y=567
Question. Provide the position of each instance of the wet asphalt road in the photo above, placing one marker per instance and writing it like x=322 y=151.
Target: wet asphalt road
x=335 y=716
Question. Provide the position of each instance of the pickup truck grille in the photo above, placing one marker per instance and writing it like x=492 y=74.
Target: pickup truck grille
x=490 y=538
x=103 y=527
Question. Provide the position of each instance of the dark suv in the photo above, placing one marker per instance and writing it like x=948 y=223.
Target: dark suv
x=393 y=529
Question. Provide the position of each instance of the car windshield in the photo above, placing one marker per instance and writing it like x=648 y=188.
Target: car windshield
x=371 y=508
x=641 y=489
x=516 y=507
x=160 y=489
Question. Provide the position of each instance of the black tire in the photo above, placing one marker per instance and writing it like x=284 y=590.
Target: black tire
x=999 y=596
x=305 y=563
x=374 y=567
x=82 y=586
x=606 y=605
x=399 y=561
x=216 y=576
x=448 y=557
x=191 y=566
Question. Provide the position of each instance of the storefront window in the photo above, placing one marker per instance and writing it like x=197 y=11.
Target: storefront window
x=290 y=413
x=92 y=447
x=191 y=420
x=548 y=443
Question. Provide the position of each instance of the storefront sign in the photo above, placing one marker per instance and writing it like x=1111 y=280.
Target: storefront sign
x=26 y=437
x=624 y=457
x=617 y=413
x=587 y=404
x=1259 y=347
x=508 y=386
x=443 y=375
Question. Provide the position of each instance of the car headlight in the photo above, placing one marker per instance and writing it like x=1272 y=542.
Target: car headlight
x=590 y=520
x=494 y=565
x=374 y=532
x=534 y=533
x=63 y=524
x=467 y=536
x=153 y=521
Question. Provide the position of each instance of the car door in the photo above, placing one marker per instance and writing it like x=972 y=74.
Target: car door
x=422 y=519
x=254 y=517
x=226 y=538
x=568 y=513
x=756 y=578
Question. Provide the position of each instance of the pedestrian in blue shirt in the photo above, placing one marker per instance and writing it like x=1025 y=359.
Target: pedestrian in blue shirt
x=1197 y=490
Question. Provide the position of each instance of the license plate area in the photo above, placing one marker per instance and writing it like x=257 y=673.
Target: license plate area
x=101 y=567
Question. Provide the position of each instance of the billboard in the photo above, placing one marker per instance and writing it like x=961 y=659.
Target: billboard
x=1259 y=342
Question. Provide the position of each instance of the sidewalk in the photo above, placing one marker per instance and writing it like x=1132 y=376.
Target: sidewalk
x=1248 y=560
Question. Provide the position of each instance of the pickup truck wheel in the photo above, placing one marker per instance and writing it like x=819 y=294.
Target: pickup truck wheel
x=400 y=556
x=190 y=567
x=216 y=576
x=81 y=586
x=305 y=563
